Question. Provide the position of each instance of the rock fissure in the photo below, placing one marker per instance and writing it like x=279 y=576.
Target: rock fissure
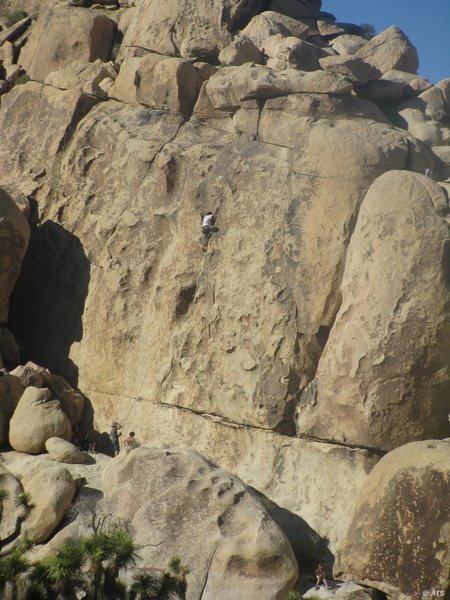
x=208 y=572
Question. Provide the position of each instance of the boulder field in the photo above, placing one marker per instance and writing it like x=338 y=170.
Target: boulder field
x=305 y=352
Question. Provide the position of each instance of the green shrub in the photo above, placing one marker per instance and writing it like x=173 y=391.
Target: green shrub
x=15 y=17
x=293 y=596
x=442 y=211
x=368 y=31
x=24 y=78
x=23 y=500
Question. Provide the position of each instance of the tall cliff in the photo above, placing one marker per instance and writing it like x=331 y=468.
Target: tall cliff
x=312 y=336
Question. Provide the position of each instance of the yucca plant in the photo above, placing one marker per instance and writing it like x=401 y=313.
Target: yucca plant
x=11 y=567
x=63 y=569
x=144 y=587
x=23 y=500
x=121 y=554
x=96 y=550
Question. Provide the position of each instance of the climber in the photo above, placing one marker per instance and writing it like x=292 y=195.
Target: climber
x=320 y=574
x=428 y=173
x=208 y=228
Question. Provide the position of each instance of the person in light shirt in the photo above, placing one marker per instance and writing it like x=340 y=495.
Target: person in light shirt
x=208 y=228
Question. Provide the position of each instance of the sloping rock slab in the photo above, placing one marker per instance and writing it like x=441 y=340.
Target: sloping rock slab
x=184 y=505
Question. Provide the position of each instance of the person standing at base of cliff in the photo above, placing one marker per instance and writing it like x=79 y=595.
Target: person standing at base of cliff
x=114 y=435
x=320 y=574
x=208 y=228
x=130 y=442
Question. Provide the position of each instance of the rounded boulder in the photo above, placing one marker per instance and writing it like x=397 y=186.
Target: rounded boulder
x=37 y=418
x=51 y=490
x=64 y=451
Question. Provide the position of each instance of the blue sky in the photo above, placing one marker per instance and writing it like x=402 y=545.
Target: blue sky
x=426 y=23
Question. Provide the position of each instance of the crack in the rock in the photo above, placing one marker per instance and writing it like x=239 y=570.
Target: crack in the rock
x=207 y=572
x=150 y=164
x=372 y=449
x=229 y=423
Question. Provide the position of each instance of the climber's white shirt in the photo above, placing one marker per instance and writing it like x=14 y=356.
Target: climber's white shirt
x=207 y=221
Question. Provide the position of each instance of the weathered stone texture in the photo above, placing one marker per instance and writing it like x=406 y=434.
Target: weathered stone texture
x=191 y=508
x=51 y=490
x=399 y=538
x=37 y=121
x=316 y=483
x=64 y=451
x=383 y=379
x=63 y=35
x=390 y=49
x=163 y=27
x=11 y=390
x=36 y=419
x=14 y=236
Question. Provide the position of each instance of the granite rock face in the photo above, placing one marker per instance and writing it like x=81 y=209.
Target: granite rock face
x=312 y=334
x=403 y=506
x=386 y=360
x=390 y=49
x=14 y=236
x=163 y=27
x=219 y=526
x=63 y=35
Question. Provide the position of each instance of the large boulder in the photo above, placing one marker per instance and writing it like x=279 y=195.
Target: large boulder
x=209 y=517
x=352 y=67
x=291 y=51
x=14 y=236
x=65 y=34
x=11 y=390
x=231 y=85
x=347 y=44
x=403 y=506
x=240 y=51
x=71 y=400
x=37 y=418
x=64 y=451
x=390 y=49
x=125 y=87
x=9 y=511
x=30 y=374
x=256 y=382
x=52 y=490
x=38 y=120
x=175 y=86
x=166 y=26
x=383 y=378
x=414 y=84
x=272 y=23
x=412 y=117
x=382 y=89
x=77 y=74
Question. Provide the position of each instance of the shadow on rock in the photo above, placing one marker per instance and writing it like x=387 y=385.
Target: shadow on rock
x=308 y=546
x=47 y=304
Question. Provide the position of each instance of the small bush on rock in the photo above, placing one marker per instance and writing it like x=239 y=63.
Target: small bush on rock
x=293 y=596
x=15 y=17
